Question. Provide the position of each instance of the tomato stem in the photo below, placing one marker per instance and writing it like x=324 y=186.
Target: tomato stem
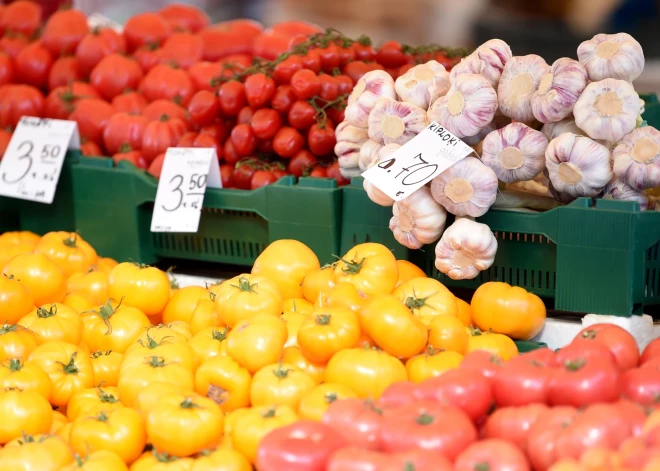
x=483 y=466
x=8 y=328
x=164 y=457
x=106 y=311
x=70 y=368
x=107 y=397
x=124 y=148
x=352 y=267
x=330 y=397
x=269 y=413
x=245 y=285
x=151 y=343
x=280 y=372
x=155 y=361
x=220 y=336
x=188 y=404
x=323 y=319
x=100 y=353
x=43 y=313
x=425 y=419
x=15 y=364
x=71 y=241
x=575 y=365
x=102 y=417
x=588 y=334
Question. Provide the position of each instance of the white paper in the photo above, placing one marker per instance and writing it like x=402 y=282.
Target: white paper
x=31 y=166
x=186 y=174
x=97 y=20
x=417 y=162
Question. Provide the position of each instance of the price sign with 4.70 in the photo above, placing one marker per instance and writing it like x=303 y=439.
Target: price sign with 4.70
x=417 y=162
x=186 y=174
x=31 y=166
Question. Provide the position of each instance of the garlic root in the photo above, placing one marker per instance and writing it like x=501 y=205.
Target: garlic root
x=519 y=81
x=618 y=56
x=394 y=122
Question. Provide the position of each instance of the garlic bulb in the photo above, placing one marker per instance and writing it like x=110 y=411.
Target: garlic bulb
x=471 y=64
x=637 y=158
x=619 y=190
x=467 y=188
x=417 y=219
x=375 y=194
x=563 y=198
x=350 y=140
x=520 y=79
x=617 y=56
x=515 y=152
x=421 y=83
x=494 y=53
x=468 y=107
x=393 y=122
x=607 y=109
x=577 y=165
x=552 y=130
x=466 y=248
x=372 y=86
x=368 y=153
x=558 y=91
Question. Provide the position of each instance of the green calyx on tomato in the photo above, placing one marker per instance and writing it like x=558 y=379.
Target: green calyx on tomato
x=575 y=365
x=70 y=368
x=353 y=267
x=43 y=313
x=164 y=457
x=15 y=364
x=323 y=319
x=107 y=397
x=269 y=413
x=151 y=343
x=106 y=311
x=188 y=404
x=425 y=419
x=330 y=397
x=588 y=334
x=245 y=285
x=413 y=302
x=100 y=353
x=220 y=336
x=280 y=372
x=102 y=417
x=155 y=361
x=71 y=241
x=482 y=467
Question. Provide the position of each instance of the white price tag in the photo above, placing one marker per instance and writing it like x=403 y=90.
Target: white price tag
x=33 y=161
x=418 y=161
x=96 y=20
x=186 y=174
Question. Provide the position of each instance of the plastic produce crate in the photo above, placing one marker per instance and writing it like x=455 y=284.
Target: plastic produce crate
x=16 y=214
x=591 y=256
x=525 y=346
x=113 y=208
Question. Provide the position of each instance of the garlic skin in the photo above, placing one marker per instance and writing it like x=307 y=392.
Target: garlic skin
x=393 y=122
x=552 y=130
x=618 y=56
x=619 y=190
x=372 y=86
x=467 y=188
x=563 y=198
x=494 y=53
x=375 y=194
x=468 y=107
x=637 y=158
x=471 y=64
x=465 y=249
x=417 y=220
x=607 y=110
x=515 y=152
x=350 y=140
x=558 y=90
x=368 y=154
x=577 y=165
x=519 y=81
x=422 y=83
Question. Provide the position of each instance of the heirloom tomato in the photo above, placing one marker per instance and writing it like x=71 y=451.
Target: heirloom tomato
x=408 y=271
x=92 y=116
x=16 y=374
x=286 y=262
x=106 y=364
x=327 y=331
x=542 y=437
x=156 y=109
x=153 y=392
x=293 y=356
x=141 y=286
x=61 y=100
x=297 y=306
x=221 y=460
x=42 y=452
x=168 y=348
x=581 y=382
x=54 y=322
x=63 y=31
x=146 y=28
x=370 y=267
x=513 y=423
x=113 y=326
x=106 y=264
x=464 y=312
x=492 y=453
x=19 y=237
x=64 y=71
x=97 y=44
x=522 y=381
x=183 y=49
x=185 y=17
x=426 y=298
x=496 y=344
x=224 y=381
x=15 y=300
x=448 y=333
x=161 y=134
x=358 y=420
x=316 y=402
x=130 y=102
x=619 y=341
x=22 y=17
x=642 y=385
x=16 y=341
x=175 y=331
x=280 y=383
x=168 y=82
x=92 y=285
x=398 y=394
x=367 y=372
x=124 y=132
x=209 y=342
x=293 y=321
x=315 y=282
x=101 y=460
x=355 y=458
x=255 y=424
x=243 y=296
x=23 y=412
x=342 y=295
x=10 y=251
x=40 y=275
x=90 y=401
x=114 y=74
x=193 y=305
x=431 y=363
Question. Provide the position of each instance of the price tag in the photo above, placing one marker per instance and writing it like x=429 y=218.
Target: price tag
x=426 y=155
x=96 y=20
x=186 y=174
x=33 y=161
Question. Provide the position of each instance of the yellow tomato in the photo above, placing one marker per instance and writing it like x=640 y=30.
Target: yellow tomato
x=431 y=363
x=91 y=285
x=68 y=366
x=54 y=322
x=427 y=298
x=68 y=250
x=141 y=286
x=121 y=431
x=243 y=296
x=232 y=417
x=298 y=306
x=286 y=262
x=16 y=341
x=327 y=331
x=281 y=384
x=171 y=350
x=8 y=252
x=318 y=281
x=23 y=412
x=193 y=305
x=15 y=300
x=257 y=341
x=101 y=460
x=106 y=364
x=222 y=460
x=509 y=310
x=225 y=381
x=18 y=238
x=367 y=372
x=154 y=461
x=153 y=369
x=182 y=425
x=343 y=295
x=254 y=425
x=152 y=393
x=113 y=326
x=293 y=321
x=16 y=374
x=43 y=453
x=497 y=344
x=393 y=327
x=293 y=356
x=209 y=343
x=370 y=267
x=314 y=404
x=176 y=331
x=408 y=271
x=106 y=264
x=65 y=431
x=464 y=312
x=448 y=333
x=90 y=401
x=40 y=275
x=77 y=303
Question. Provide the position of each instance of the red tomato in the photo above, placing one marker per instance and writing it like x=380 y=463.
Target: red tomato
x=635 y=413
x=363 y=52
x=156 y=109
x=492 y=454
x=312 y=61
x=188 y=139
x=521 y=382
x=17 y=101
x=243 y=140
x=156 y=166
x=6 y=69
x=232 y=98
x=204 y=107
x=390 y=55
x=642 y=385
x=228 y=38
x=265 y=123
x=283 y=99
x=243 y=25
x=346 y=55
x=302 y=115
x=259 y=90
x=542 y=437
x=513 y=423
x=92 y=116
x=165 y=81
x=63 y=31
x=334 y=171
x=541 y=356
x=269 y=45
x=287 y=142
x=97 y=44
x=296 y=27
x=397 y=394
x=305 y=84
x=146 y=28
x=420 y=460
x=321 y=139
x=185 y=17
x=227 y=175
x=229 y=153
x=133 y=156
x=61 y=100
x=243 y=174
x=651 y=351
x=318 y=172
x=265 y=146
x=285 y=69
x=161 y=134
x=357 y=459
x=33 y=64
x=345 y=84
x=653 y=363
x=330 y=59
x=206 y=141
x=130 y=102
x=5 y=137
x=582 y=382
x=483 y=362
x=262 y=178
x=219 y=130
x=204 y=75
x=302 y=162
x=183 y=49
x=90 y=148
x=620 y=342
x=329 y=88
x=124 y=128
x=114 y=74
x=404 y=68
x=355 y=70
x=245 y=115
x=148 y=56
x=22 y=17
x=64 y=71
x=358 y=420
x=581 y=348
x=13 y=43
x=279 y=173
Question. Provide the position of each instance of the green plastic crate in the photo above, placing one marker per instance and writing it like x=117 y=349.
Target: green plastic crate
x=591 y=256
x=113 y=208
x=525 y=346
x=16 y=214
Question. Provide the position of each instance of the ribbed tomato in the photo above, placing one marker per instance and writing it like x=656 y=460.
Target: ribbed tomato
x=124 y=128
x=161 y=134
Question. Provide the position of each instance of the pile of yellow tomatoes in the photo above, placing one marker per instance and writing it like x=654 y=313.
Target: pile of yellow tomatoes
x=106 y=366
